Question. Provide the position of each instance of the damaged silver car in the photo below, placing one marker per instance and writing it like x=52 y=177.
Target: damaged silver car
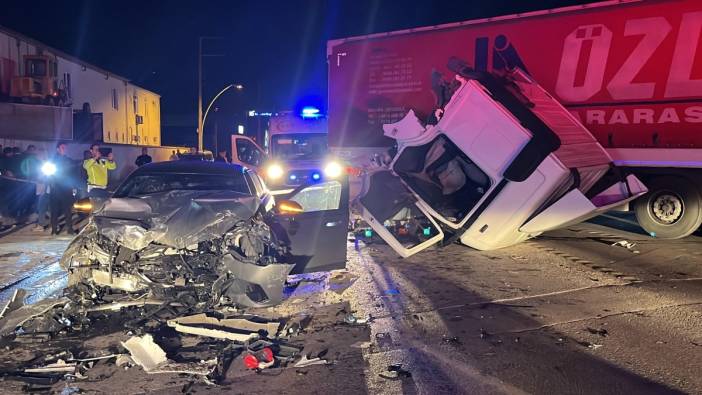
x=206 y=234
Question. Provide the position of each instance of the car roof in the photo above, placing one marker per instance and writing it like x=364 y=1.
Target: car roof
x=190 y=167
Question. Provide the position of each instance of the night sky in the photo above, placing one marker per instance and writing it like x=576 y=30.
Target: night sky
x=275 y=48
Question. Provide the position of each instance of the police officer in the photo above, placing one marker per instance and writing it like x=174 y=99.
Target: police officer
x=97 y=168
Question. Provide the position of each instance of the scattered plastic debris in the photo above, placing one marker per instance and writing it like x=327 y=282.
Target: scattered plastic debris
x=352 y=319
x=392 y=291
x=626 y=244
x=151 y=357
x=305 y=361
x=260 y=359
x=236 y=329
x=452 y=340
x=396 y=372
x=589 y=345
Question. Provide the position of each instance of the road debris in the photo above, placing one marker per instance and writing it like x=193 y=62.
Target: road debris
x=305 y=361
x=602 y=332
x=260 y=360
x=396 y=372
x=452 y=340
x=626 y=244
x=15 y=302
x=151 y=357
x=237 y=329
x=350 y=318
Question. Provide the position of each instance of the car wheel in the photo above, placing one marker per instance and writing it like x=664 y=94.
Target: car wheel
x=672 y=208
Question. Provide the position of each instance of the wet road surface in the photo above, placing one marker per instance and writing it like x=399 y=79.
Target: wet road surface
x=589 y=309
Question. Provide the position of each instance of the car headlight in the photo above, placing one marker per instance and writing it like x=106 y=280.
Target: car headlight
x=83 y=206
x=333 y=170
x=48 y=169
x=274 y=171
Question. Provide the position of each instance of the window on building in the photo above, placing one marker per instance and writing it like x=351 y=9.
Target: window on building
x=115 y=99
x=135 y=101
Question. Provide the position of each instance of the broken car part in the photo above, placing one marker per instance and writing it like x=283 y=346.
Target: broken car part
x=236 y=329
x=151 y=357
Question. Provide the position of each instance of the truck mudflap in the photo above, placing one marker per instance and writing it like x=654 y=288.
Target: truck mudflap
x=574 y=207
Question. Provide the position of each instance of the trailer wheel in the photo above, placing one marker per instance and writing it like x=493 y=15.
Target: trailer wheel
x=672 y=208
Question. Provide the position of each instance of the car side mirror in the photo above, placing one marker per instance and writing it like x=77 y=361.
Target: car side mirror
x=288 y=207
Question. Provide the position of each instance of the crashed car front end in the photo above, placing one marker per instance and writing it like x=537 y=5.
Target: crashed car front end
x=198 y=248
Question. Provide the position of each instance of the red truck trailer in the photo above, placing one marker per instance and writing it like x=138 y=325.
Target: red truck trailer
x=629 y=70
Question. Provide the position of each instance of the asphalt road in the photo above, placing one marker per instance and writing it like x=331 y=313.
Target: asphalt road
x=596 y=308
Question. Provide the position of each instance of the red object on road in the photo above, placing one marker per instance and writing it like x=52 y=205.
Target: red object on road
x=259 y=359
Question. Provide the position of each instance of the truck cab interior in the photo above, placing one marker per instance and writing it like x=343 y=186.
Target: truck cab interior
x=443 y=177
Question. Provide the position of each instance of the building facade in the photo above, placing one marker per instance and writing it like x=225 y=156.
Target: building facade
x=129 y=114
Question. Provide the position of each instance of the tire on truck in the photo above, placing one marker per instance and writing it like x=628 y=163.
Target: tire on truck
x=672 y=208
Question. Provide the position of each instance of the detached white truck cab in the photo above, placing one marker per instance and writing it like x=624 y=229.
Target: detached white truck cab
x=502 y=162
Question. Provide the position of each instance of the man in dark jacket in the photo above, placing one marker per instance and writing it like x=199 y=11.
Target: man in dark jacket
x=144 y=158
x=61 y=185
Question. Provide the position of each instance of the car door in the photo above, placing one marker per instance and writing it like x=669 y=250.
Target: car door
x=316 y=237
x=396 y=215
x=246 y=152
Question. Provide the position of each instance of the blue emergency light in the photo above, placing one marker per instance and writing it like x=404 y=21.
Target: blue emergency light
x=310 y=112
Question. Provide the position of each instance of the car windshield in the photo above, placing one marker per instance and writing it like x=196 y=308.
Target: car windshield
x=299 y=146
x=147 y=184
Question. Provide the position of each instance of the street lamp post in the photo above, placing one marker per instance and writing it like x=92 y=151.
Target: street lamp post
x=203 y=118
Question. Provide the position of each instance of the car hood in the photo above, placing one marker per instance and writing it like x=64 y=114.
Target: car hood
x=176 y=218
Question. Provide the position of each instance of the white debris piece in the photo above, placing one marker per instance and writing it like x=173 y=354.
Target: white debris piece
x=147 y=354
x=236 y=329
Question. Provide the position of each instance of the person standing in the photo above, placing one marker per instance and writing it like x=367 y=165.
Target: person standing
x=6 y=162
x=29 y=164
x=61 y=186
x=222 y=157
x=144 y=158
x=42 y=192
x=97 y=168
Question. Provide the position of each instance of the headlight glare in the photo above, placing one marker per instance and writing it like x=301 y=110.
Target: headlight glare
x=48 y=169
x=333 y=170
x=274 y=171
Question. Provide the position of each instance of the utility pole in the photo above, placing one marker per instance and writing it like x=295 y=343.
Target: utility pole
x=200 y=132
x=199 y=96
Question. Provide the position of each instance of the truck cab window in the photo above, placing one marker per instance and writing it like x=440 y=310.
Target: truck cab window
x=444 y=177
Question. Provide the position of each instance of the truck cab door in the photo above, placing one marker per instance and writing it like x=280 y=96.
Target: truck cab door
x=246 y=152
x=316 y=237
x=396 y=215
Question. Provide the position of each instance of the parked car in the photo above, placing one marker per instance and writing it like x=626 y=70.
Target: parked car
x=206 y=232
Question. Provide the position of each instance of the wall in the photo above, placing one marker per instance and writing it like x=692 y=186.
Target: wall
x=125 y=155
x=118 y=100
